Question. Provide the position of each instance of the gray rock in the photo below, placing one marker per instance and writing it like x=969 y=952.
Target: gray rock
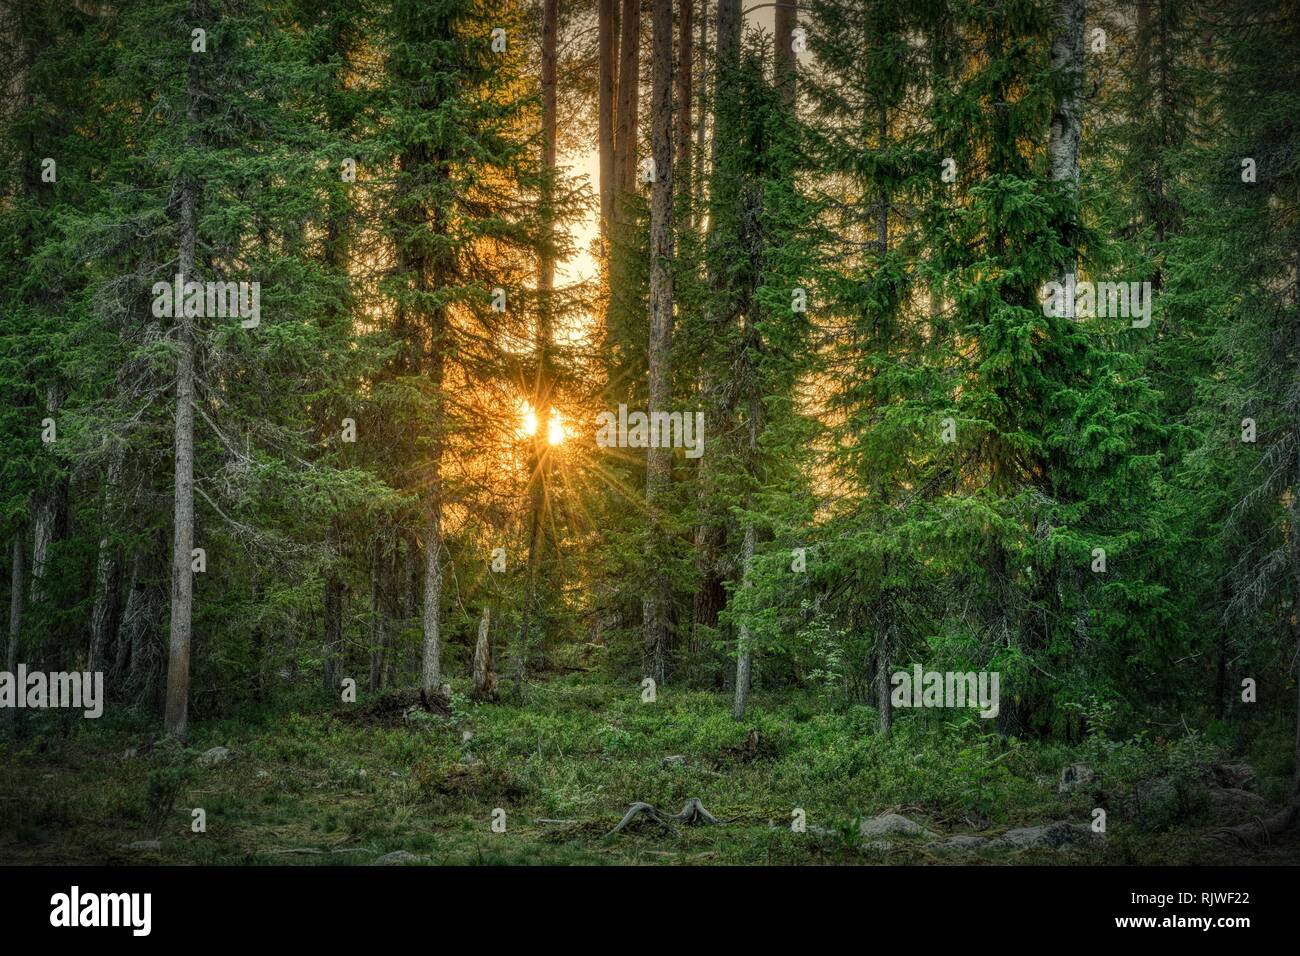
x=398 y=858
x=1233 y=776
x=418 y=715
x=210 y=758
x=961 y=842
x=893 y=824
x=1075 y=776
x=1234 y=806
x=1147 y=793
x=1051 y=836
x=145 y=845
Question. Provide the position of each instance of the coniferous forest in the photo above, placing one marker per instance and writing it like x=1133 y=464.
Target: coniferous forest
x=650 y=431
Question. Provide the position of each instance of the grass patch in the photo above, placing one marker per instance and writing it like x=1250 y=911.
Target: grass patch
x=307 y=788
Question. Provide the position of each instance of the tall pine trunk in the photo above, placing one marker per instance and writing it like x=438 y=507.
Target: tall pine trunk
x=541 y=396
x=182 y=597
x=659 y=460
x=333 y=613
x=108 y=571
x=625 y=137
x=382 y=583
x=744 y=652
x=606 y=54
x=46 y=509
x=786 y=16
x=431 y=624
x=17 y=586
x=685 y=66
x=698 y=170
x=536 y=503
x=711 y=534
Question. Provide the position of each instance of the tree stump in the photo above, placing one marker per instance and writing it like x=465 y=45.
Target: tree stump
x=693 y=815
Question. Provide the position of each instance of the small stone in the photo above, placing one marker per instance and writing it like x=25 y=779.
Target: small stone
x=1074 y=776
x=960 y=842
x=1232 y=805
x=1233 y=776
x=151 y=846
x=418 y=715
x=1048 y=836
x=398 y=858
x=210 y=758
x=893 y=824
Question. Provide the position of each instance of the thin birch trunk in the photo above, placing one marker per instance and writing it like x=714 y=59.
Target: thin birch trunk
x=1067 y=56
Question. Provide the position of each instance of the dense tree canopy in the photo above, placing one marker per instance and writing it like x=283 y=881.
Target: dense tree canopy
x=988 y=314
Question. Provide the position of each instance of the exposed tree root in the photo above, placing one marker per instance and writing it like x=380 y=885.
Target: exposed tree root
x=316 y=852
x=693 y=815
x=439 y=703
x=390 y=708
x=1263 y=829
x=636 y=810
x=755 y=747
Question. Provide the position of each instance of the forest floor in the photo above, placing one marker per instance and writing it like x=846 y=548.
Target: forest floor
x=348 y=784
